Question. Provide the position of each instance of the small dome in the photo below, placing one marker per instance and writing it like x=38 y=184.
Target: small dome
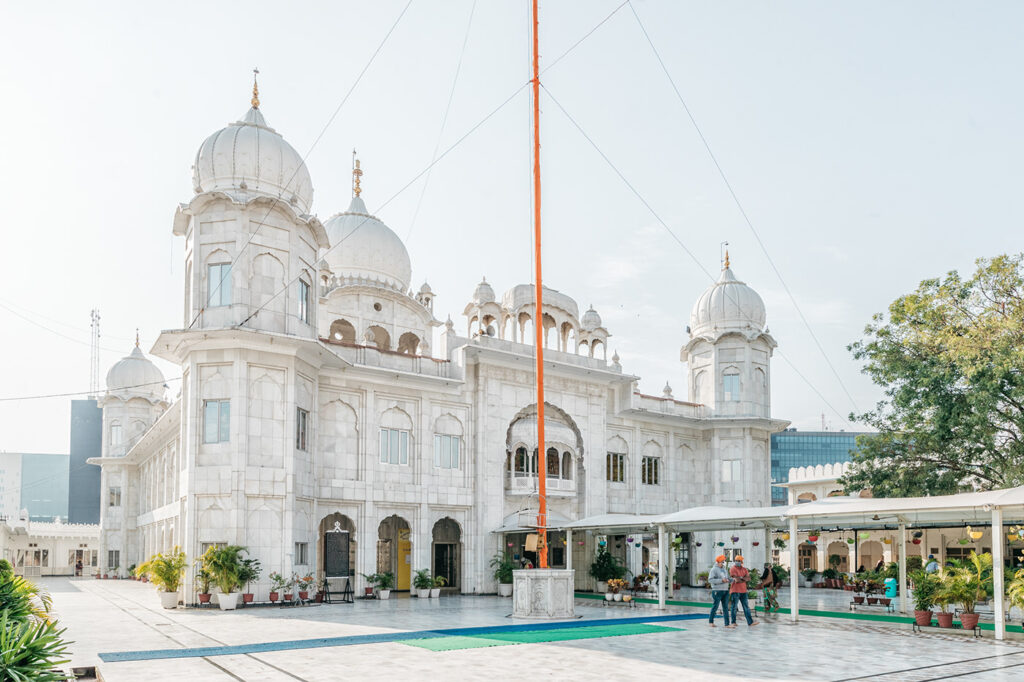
x=484 y=293
x=250 y=156
x=425 y=289
x=591 y=320
x=727 y=305
x=136 y=375
x=368 y=248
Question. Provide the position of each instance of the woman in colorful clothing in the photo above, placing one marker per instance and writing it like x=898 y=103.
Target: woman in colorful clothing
x=769 y=585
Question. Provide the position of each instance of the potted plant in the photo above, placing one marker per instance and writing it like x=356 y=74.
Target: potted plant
x=167 y=571
x=249 y=572
x=808 y=574
x=436 y=584
x=604 y=568
x=615 y=585
x=503 y=566
x=371 y=582
x=223 y=564
x=422 y=583
x=305 y=582
x=779 y=543
x=702 y=579
x=966 y=585
x=289 y=588
x=203 y=580
x=1015 y=589
x=946 y=593
x=385 y=581
x=278 y=584
x=131 y=572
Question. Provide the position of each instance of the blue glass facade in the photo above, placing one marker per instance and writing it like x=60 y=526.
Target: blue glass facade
x=44 y=486
x=792 y=448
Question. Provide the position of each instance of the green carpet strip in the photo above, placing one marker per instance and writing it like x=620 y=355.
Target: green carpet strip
x=535 y=636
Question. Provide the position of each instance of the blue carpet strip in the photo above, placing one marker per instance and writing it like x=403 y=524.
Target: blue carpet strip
x=263 y=647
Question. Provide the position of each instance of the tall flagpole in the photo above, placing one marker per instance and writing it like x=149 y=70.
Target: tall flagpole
x=538 y=318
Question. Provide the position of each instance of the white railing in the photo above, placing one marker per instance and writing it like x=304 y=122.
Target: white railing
x=526 y=484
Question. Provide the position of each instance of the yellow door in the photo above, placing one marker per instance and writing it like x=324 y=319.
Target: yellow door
x=404 y=561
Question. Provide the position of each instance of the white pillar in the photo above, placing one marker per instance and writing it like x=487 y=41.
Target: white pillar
x=794 y=573
x=997 y=571
x=568 y=549
x=662 y=560
x=767 y=540
x=904 y=592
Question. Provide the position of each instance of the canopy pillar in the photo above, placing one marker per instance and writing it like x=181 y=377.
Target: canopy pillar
x=904 y=592
x=568 y=549
x=997 y=572
x=794 y=572
x=767 y=540
x=662 y=560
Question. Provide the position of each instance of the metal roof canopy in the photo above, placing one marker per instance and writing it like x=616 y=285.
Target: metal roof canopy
x=855 y=513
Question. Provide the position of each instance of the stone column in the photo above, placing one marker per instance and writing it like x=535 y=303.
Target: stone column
x=794 y=575
x=997 y=571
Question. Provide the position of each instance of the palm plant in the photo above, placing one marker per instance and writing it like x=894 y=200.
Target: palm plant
x=22 y=600
x=249 y=571
x=165 y=570
x=223 y=564
x=385 y=581
x=31 y=650
x=503 y=566
x=422 y=581
x=1015 y=589
x=438 y=581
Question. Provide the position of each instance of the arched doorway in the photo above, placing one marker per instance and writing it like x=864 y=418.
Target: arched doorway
x=807 y=555
x=394 y=550
x=842 y=550
x=446 y=552
x=337 y=546
x=870 y=554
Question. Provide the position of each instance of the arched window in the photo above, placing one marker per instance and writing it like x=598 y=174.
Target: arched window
x=567 y=466
x=408 y=343
x=553 y=462
x=731 y=385
x=522 y=465
x=342 y=330
x=533 y=463
x=380 y=337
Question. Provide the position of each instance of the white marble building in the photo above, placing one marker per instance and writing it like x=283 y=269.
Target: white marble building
x=314 y=408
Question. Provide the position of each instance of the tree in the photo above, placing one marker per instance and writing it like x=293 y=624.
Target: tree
x=950 y=359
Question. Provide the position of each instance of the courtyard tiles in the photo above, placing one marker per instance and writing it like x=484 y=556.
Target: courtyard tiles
x=121 y=616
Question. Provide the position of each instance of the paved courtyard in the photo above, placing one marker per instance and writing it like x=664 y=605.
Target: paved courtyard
x=123 y=616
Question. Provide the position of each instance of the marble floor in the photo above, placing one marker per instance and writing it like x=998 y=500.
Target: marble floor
x=117 y=616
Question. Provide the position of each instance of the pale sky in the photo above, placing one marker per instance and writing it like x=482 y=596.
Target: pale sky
x=872 y=144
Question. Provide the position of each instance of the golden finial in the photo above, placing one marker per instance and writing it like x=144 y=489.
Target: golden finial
x=136 y=337
x=727 y=258
x=255 y=89
x=357 y=173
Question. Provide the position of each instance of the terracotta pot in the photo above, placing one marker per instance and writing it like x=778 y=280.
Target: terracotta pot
x=945 y=619
x=319 y=598
x=884 y=601
x=858 y=600
x=273 y=596
x=923 y=618
x=368 y=591
x=872 y=600
x=204 y=598
x=288 y=596
x=105 y=576
x=969 y=620
x=247 y=598
x=303 y=595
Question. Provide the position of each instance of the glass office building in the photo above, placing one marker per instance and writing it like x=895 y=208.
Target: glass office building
x=792 y=448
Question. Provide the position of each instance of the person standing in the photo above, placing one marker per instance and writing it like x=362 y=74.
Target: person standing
x=738 y=591
x=719 y=580
x=933 y=565
x=769 y=585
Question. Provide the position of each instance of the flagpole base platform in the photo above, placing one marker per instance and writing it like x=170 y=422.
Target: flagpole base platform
x=543 y=593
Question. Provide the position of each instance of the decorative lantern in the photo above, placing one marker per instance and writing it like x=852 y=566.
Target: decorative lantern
x=916 y=541
x=721 y=544
x=603 y=543
x=918 y=533
x=850 y=541
x=511 y=544
x=580 y=543
x=735 y=539
x=629 y=539
x=755 y=544
x=964 y=541
x=785 y=536
x=976 y=534
x=864 y=535
x=812 y=537
x=1011 y=537
x=698 y=543
x=887 y=541
x=639 y=544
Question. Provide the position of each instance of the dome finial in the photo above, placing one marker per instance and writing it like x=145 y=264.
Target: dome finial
x=357 y=173
x=727 y=257
x=255 y=89
x=136 y=337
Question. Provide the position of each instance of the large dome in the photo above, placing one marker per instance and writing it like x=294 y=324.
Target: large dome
x=727 y=305
x=251 y=157
x=136 y=375
x=362 y=247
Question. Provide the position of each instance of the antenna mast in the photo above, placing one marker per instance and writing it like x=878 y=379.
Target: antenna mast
x=538 y=320
x=94 y=353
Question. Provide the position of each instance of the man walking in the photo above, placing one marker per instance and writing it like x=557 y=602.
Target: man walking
x=718 y=578
x=738 y=591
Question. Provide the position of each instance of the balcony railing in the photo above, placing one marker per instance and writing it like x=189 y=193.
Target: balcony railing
x=526 y=484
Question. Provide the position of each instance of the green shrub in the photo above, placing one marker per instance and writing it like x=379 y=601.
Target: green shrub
x=606 y=567
x=165 y=570
x=31 y=650
x=503 y=566
x=925 y=587
x=422 y=580
x=223 y=564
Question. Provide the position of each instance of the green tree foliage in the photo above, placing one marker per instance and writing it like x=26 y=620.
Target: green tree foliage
x=950 y=359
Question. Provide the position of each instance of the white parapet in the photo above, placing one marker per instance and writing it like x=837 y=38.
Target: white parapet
x=543 y=593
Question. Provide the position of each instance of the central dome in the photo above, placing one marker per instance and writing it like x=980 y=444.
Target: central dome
x=727 y=305
x=362 y=247
x=136 y=375
x=248 y=156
